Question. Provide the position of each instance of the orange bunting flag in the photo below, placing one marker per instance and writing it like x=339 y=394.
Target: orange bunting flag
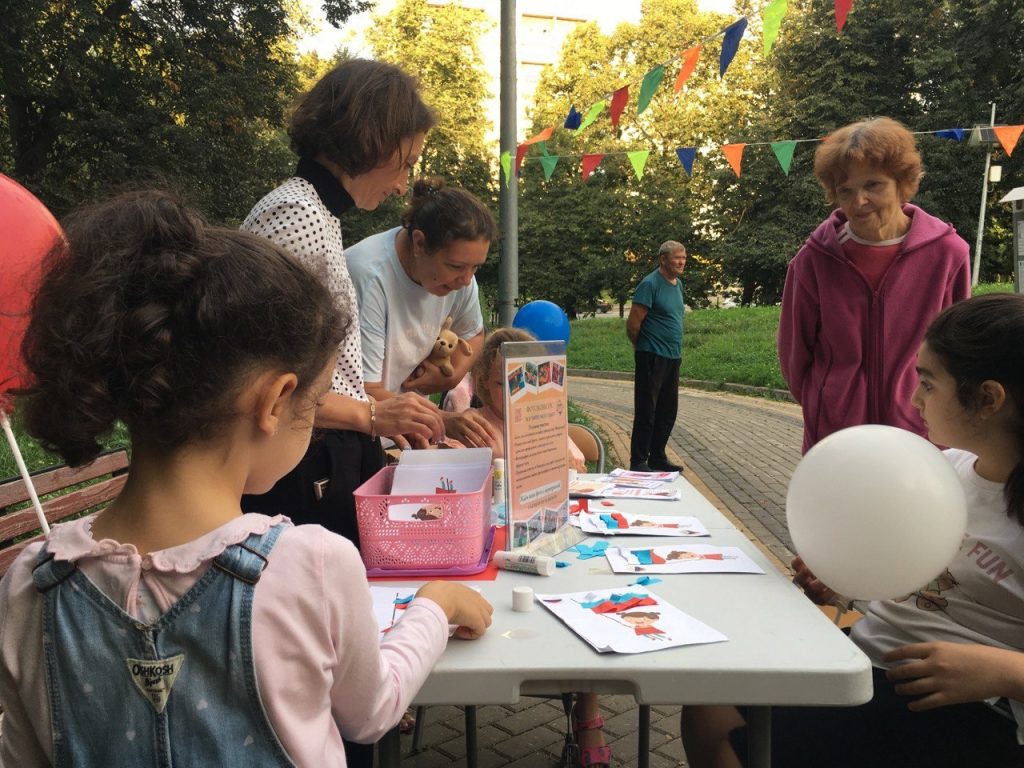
x=1008 y=136
x=589 y=163
x=734 y=154
x=520 y=154
x=619 y=100
x=542 y=136
x=842 y=8
x=690 y=58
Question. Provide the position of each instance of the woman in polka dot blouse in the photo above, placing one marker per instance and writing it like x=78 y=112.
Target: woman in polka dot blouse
x=358 y=133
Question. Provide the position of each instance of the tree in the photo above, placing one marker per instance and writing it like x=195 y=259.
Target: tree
x=187 y=93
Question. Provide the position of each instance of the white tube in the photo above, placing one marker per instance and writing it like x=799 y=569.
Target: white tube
x=511 y=561
x=23 y=470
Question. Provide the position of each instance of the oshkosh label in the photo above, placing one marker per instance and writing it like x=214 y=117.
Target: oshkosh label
x=155 y=678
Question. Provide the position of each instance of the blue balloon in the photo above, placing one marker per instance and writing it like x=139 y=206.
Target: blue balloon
x=545 y=320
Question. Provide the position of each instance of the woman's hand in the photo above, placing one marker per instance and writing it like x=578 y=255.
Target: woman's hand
x=472 y=428
x=409 y=419
x=954 y=673
x=808 y=582
x=464 y=607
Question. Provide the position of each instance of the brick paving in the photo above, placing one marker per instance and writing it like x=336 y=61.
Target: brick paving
x=739 y=451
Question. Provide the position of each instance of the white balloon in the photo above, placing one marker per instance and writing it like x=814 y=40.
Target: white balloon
x=875 y=512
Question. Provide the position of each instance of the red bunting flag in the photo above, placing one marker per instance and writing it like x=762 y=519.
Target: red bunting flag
x=690 y=58
x=1008 y=136
x=520 y=154
x=842 y=8
x=734 y=154
x=590 y=162
x=619 y=101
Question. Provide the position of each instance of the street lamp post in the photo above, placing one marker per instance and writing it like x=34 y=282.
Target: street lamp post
x=984 y=201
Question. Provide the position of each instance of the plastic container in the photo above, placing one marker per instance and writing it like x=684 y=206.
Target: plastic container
x=457 y=540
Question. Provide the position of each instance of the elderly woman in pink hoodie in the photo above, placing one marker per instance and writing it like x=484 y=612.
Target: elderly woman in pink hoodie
x=865 y=285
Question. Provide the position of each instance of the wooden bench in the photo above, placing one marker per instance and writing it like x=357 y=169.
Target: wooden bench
x=109 y=470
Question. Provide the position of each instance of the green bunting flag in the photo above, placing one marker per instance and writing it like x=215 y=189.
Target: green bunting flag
x=772 y=21
x=638 y=160
x=506 y=165
x=648 y=87
x=592 y=115
x=784 y=153
x=548 y=162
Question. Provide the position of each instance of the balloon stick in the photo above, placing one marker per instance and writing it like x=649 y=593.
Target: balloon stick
x=23 y=470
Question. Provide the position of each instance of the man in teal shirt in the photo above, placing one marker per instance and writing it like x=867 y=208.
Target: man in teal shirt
x=655 y=327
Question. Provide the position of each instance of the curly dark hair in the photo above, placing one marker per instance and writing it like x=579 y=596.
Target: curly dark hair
x=982 y=339
x=146 y=315
x=445 y=214
x=358 y=114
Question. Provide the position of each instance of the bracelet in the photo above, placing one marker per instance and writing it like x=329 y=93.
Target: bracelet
x=373 y=419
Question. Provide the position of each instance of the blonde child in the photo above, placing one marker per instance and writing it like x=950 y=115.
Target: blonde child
x=171 y=627
x=936 y=661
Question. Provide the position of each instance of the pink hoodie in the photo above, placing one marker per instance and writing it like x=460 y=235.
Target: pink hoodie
x=848 y=352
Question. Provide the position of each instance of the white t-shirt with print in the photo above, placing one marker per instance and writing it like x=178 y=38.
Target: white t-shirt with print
x=398 y=319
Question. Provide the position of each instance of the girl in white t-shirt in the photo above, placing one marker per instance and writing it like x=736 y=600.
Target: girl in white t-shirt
x=170 y=626
x=948 y=658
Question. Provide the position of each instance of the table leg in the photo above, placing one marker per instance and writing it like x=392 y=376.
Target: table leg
x=759 y=737
x=643 y=737
x=471 y=746
x=389 y=749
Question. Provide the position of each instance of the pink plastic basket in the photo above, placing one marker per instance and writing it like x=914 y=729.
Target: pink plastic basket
x=457 y=539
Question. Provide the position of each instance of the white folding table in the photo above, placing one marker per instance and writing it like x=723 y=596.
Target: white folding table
x=782 y=650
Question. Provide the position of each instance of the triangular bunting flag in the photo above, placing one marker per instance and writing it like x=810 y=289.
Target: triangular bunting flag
x=638 y=160
x=772 y=21
x=730 y=44
x=956 y=134
x=592 y=114
x=573 y=119
x=734 y=154
x=619 y=100
x=648 y=87
x=506 y=165
x=590 y=162
x=686 y=155
x=548 y=162
x=690 y=58
x=520 y=154
x=1008 y=136
x=783 y=153
x=842 y=8
x=542 y=136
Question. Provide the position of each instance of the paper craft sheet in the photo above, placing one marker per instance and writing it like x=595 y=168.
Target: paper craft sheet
x=680 y=558
x=598 y=490
x=389 y=604
x=611 y=522
x=628 y=620
x=665 y=477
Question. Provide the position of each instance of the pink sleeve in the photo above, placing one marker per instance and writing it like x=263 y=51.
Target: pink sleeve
x=798 y=322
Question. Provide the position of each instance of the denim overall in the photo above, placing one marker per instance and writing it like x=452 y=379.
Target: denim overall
x=180 y=692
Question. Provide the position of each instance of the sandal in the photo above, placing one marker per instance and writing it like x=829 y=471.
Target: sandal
x=590 y=756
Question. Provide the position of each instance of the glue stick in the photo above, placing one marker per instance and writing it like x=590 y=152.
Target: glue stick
x=498 y=488
x=511 y=561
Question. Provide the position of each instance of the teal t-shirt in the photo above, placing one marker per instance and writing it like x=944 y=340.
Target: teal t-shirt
x=662 y=330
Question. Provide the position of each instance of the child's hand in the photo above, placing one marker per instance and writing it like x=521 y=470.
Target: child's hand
x=472 y=428
x=808 y=582
x=954 y=673
x=464 y=607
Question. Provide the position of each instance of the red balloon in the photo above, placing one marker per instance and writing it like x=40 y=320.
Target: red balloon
x=27 y=233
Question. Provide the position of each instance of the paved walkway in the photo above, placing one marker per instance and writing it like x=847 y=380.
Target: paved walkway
x=739 y=451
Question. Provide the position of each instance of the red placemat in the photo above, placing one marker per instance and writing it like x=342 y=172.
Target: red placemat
x=490 y=573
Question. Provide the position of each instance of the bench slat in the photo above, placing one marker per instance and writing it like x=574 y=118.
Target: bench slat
x=50 y=480
x=56 y=509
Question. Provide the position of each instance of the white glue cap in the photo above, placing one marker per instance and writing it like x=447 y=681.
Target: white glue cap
x=522 y=599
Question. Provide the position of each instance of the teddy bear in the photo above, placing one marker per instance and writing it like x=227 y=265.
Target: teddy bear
x=443 y=349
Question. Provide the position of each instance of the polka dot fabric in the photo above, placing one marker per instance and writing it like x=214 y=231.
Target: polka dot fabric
x=294 y=217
